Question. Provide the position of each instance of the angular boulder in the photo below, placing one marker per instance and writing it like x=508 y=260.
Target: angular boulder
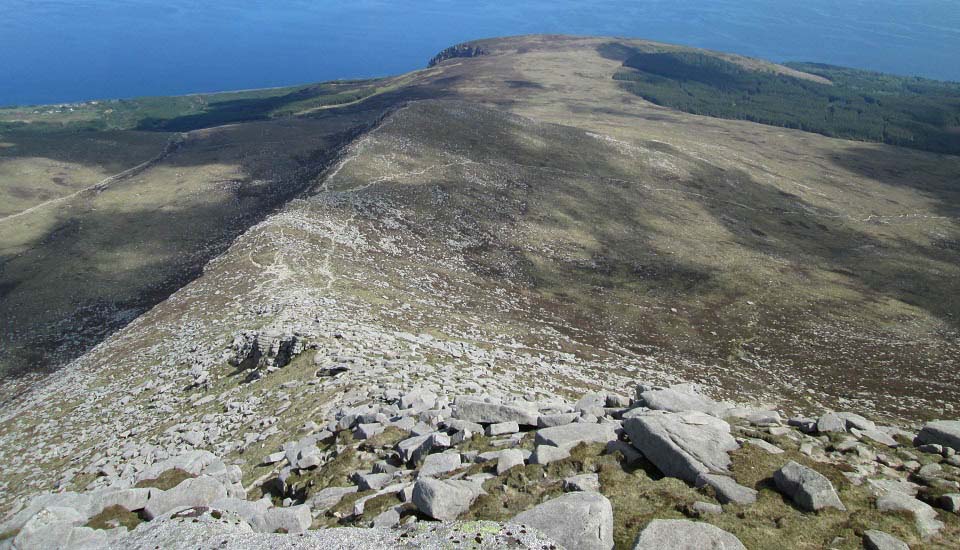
x=444 y=500
x=925 y=517
x=806 y=487
x=681 y=399
x=481 y=412
x=581 y=520
x=571 y=435
x=727 y=489
x=683 y=445
x=837 y=422
x=878 y=540
x=941 y=432
x=682 y=534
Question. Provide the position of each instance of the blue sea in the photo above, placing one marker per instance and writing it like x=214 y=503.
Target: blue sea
x=55 y=51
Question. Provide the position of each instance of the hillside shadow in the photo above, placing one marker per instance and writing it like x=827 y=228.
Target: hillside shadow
x=98 y=267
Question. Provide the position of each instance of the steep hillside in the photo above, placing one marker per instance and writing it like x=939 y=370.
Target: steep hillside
x=512 y=224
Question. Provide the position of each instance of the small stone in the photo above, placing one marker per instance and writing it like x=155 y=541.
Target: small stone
x=878 y=540
x=583 y=482
x=387 y=519
x=372 y=482
x=706 y=509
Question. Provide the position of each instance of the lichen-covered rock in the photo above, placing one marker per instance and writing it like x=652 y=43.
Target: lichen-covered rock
x=681 y=534
x=581 y=520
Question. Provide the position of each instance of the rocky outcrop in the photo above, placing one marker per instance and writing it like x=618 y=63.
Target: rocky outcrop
x=460 y=50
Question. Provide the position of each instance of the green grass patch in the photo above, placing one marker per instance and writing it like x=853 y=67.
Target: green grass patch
x=113 y=517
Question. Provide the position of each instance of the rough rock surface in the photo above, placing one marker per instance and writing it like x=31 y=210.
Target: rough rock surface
x=683 y=445
x=808 y=488
x=878 y=540
x=444 y=500
x=941 y=432
x=581 y=520
x=679 y=534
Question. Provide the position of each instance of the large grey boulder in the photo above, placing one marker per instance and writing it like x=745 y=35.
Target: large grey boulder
x=727 y=489
x=681 y=399
x=578 y=521
x=442 y=499
x=878 y=540
x=925 y=517
x=683 y=445
x=199 y=491
x=806 y=487
x=571 y=435
x=682 y=534
x=941 y=432
x=476 y=410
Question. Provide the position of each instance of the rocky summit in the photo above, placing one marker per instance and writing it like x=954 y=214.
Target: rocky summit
x=506 y=301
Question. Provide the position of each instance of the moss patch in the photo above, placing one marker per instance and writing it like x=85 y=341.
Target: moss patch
x=113 y=517
x=167 y=480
